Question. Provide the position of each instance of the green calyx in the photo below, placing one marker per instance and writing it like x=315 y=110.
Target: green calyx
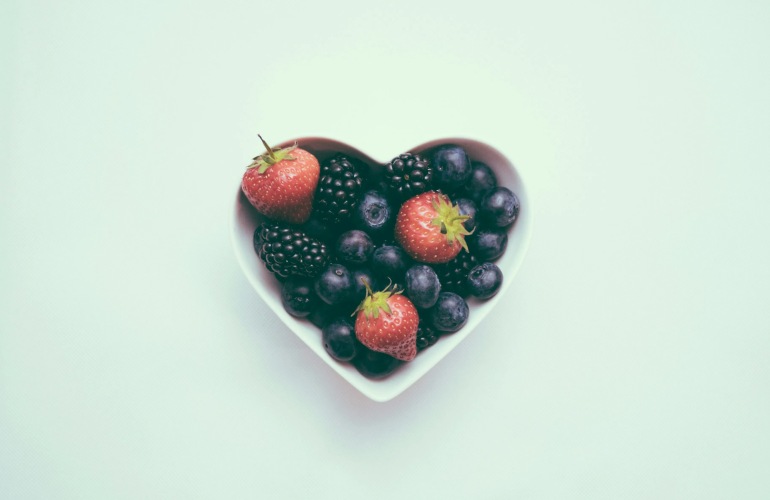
x=375 y=301
x=271 y=157
x=450 y=222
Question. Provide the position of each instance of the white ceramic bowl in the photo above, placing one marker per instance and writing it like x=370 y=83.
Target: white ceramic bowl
x=246 y=219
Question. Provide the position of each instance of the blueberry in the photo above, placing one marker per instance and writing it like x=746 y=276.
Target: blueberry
x=374 y=214
x=422 y=286
x=467 y=207
x=315 y=228
x=499 y=207
x=340 y=340
x=481 y=181
x=373 y=364
x=324 y=314
x=390 y=261
x=488 y=244
x=298 y=297
x=484 y=280
x=450 y=312
x=452 y=167
x=359 y=276
x=354 y=247
x=335 y=285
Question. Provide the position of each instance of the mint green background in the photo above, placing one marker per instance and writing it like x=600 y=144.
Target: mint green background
x=630 y=359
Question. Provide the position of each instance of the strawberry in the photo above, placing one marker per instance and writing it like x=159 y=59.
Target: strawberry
x=430 y=228
x=387 y=322
x=281 y=182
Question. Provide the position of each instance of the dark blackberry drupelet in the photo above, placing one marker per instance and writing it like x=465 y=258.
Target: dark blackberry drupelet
x=287 y=251
x=426 y=337
x=454 y=274
x=408 y=175
x=339 y=189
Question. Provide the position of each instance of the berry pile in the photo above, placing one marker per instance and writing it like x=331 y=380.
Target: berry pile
x=380 y=260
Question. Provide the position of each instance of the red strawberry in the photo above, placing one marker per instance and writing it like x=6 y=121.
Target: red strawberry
x=387 y=322
x=430 y=228
x=281 y=182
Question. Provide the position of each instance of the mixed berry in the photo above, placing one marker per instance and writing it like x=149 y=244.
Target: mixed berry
x=381 y=260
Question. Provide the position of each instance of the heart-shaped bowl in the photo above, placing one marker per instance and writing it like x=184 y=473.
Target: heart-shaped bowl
x=245 y=220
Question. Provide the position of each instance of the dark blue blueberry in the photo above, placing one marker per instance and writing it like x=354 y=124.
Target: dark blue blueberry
x=359 y=276
x=452 y=167
x=422 y=286
x=324 y=314
x=499 y=207
x=340 y=340
x=374 y=214
x=450 y=312
x=467 y=207
x=354 y=247
x=317 y=229
x=335 y=285
x=373 y=364
x=481 y=182
x=298 y=297
x=484 y=280
x=391 y=262
x=488 y=244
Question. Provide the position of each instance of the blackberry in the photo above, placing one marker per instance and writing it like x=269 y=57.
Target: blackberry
x=339 y=189
x=408 y=175
x=454 y=274
x=426 y=337
x=287 y=251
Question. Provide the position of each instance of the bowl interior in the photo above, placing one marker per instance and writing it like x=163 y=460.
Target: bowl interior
x=246 y=219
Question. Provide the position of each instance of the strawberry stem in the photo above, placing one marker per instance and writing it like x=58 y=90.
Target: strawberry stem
x=267 y=146
x=375 y=301
x=273 y=156
x=450 y=222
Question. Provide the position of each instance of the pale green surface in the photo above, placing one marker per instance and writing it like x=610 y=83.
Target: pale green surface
x=630 y=363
